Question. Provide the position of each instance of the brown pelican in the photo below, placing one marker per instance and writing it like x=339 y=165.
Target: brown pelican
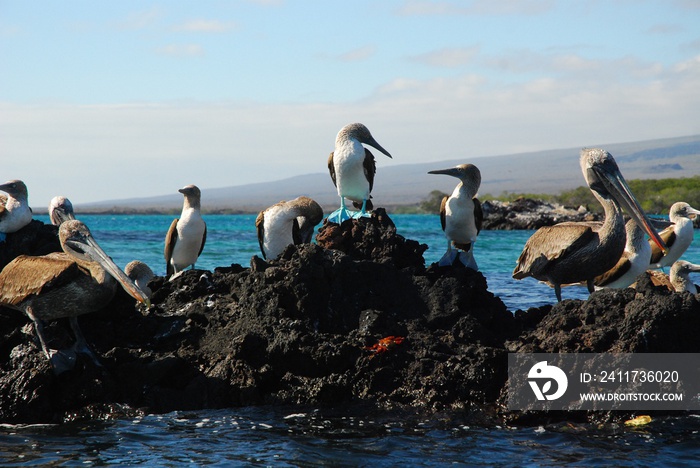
x=633 y=262
x=140 y=274
x=352 y=170
x=680 y=278
x=287 y=222
x=677 y=236
x=15 y=212
x=79 y=280
x=461 y=215
x=569 y=253
x=60 y=209
x=187 y=235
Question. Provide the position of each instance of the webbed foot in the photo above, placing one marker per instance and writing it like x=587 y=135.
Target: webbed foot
x=340 y=215
x=62 y=360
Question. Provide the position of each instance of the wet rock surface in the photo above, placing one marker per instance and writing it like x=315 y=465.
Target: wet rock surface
x=305 y=329
x=526 y=213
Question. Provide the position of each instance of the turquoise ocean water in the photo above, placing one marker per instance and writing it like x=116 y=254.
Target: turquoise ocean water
x=233 y=239
x=338 y=437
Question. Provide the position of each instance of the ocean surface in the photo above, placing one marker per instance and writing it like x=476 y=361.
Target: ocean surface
x=341 y=436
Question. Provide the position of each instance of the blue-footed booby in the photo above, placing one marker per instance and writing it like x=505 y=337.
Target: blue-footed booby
x=79 y=280
x=633 y=262
x=352 y=168
x=461 y=215
x=287 y=222
x=680 y=276
x=678 y=236
x=60 y=210
x=187 y=234
x=140 y=274
x=15 y=212
x=570 y=252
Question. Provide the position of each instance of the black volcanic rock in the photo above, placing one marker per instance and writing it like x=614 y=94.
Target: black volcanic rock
x=526 y=213
x=305 y=330
x=36 y=238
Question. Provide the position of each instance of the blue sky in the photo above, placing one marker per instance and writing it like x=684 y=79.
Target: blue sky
x=105 y=100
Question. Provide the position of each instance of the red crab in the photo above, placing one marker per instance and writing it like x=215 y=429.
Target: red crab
x=385 y=344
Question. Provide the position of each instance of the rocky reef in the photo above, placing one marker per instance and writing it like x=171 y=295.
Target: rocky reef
x=356 y=318
x=526 y=213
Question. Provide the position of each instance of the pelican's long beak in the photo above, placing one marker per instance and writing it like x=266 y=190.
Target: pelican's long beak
x=453 y=171
x=89 y=247
x=618 y=188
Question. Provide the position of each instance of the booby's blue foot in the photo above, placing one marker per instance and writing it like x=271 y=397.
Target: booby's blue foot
x=363 y=212
x=458 y=257
x=3 y=236
x=340 y=215
x=62 y=360
x=449 y=258
x=467 y=259
x=360 y=214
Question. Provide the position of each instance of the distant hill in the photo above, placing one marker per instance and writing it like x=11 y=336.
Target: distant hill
x=549 y=171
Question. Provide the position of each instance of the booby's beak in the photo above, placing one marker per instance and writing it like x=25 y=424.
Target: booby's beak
x=373 y=143
x=693 y=267
x=453 y=171
x=611 y=177
x=693 y=213
x=86 y=245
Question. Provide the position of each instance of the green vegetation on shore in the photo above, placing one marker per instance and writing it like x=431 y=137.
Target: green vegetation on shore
x=655 y=195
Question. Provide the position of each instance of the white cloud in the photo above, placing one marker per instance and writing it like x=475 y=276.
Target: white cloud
x=475 y=7
x=267 y=2
x=141 y=19
x=359 y=54
x=448 y=57
x=206 y=26
x=93 y=153
x=181 y=50
x=663 y=29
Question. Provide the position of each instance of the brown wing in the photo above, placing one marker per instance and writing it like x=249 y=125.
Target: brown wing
x=370 y=168
x=27 y=275
x=3 y=202
x=623 y=265
x=170 y=241
x=478 y=214
x=443 y=211
x=260 y=227
x=331 y=168
x=204 y=240
x=669 y=237
x=548 y=244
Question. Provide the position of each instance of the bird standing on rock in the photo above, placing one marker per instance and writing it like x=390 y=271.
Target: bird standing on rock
x=678 y=236
x=140 y=274
x=680 y=276
x=187 y=235
x=15 y=212
x=79 y=280
x=461 y=215
x=352 y=168
x=287 y=222
x=60 y=210
x=570 y=252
